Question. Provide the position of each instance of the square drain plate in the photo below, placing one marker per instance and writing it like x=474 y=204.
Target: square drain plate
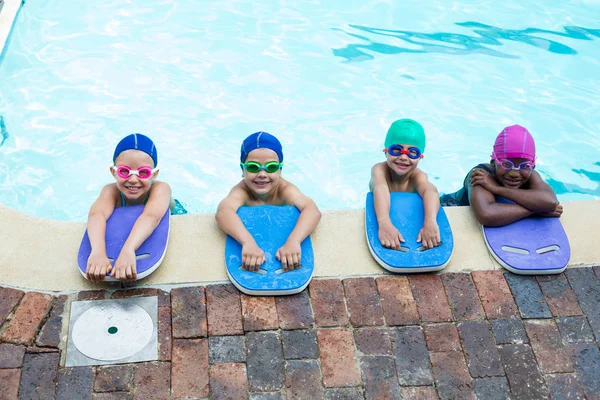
x=112 y=331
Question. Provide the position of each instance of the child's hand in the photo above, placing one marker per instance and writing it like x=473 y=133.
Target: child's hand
x=252 y=257
x=389 y=236
x=289 y=254
x=556 y=213
x=429 y=235
x=125 y=266
x=483 y=178
x=98 y=265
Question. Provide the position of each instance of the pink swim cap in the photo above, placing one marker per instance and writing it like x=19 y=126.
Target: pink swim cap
x=514 y=142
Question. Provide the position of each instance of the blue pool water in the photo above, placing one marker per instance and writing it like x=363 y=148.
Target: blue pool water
x=326 y=77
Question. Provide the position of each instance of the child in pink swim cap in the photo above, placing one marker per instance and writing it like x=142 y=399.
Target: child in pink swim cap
x=512 y=167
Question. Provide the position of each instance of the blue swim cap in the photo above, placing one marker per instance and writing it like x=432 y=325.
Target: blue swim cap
x=261 y=140
x=137 y=141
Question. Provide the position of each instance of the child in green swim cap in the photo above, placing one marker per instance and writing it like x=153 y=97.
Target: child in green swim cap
x=404 y=147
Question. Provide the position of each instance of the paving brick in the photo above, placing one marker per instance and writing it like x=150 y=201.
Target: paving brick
x=165 y=336
x=495 y=295
x=264 y=362
x=480 y=349
x=452 y=378
x=299 y=344
x=338 y=361
x=227 y=349
x=29 y=314
x=509 y=331
x=547 y=346
x=363 y=302
x=327 y=297
x=11 y=356
x=112 y=396
x=597 y=271
x=303 y=380
x=397 y=301
x=379 y=377
x=114 y=378
x=49 y=335
x=412 y=358
x=463 y=297
x=267 y=396
x=9 y=383
x=442 y=337
x=419 y=393
x=38 y=376
x=137 y=292
x=9 y=298
x=188 y=310
x=575 y=330
x=92 y=295
x=564 y=387
x=528 y=296
x=586 y=286
x=558 y=294
x=152 y=381
x=491 y=388
x=374 y=341
x=39 y=350
x=294 y=311
x=430 y=295
x=523 y=375
x=228 y=381
x=259 y=313
x=75 y=383
x=224 y=310
x=343 y=394
x=187 y=382
x=587 y=360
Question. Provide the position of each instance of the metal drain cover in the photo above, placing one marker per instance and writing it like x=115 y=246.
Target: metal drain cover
x=112 y=331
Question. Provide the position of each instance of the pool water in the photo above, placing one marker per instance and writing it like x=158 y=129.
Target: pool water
x=327 y=78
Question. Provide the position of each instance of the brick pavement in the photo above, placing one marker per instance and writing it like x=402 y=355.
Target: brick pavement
x=484 y=335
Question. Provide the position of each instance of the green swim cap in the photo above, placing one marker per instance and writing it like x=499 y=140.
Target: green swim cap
x=406 y=131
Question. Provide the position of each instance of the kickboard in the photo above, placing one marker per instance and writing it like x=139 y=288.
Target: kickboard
x=530 y=246
x=119 y=225
x=270 y=226
x=407 y=215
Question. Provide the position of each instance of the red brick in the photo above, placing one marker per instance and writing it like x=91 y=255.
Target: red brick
x=259 y=313
x=338 y=361
x=431 y=298
x=164 y=333
x=419 y=393
x=363 y=302
x=27 y=318
x=303 y=379
x=399 y=306
x=9 y=298
x=188 y=311
x=329 y=307
x=452 y=376
x=50 y=333
x=138 y=292
x=546 y=342
x=190 y=368
x=495 y=296
x=112 y=396
x=152 y=381
x=114 y=378
x=224 y=310
x=228 y=381
x=463 y=297
x=91 y=295
x=294 y=311
x=558 y=294
x=442 y=337
x=9 y=383
x=374 y=341
x=11 y=356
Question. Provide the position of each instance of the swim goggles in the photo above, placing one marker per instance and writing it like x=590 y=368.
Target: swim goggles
x=397 y=150
x=254 y=167
x=125 y=172
x=507 y=165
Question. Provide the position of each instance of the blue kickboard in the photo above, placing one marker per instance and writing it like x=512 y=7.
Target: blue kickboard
x=270 y=226
x=407 y=215
x=149 y=255
x=530 y=246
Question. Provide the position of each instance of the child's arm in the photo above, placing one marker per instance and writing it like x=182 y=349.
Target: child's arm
x=154 y=210
x=98 y=264
x=389 y=236
x=429 y=235
x=289 y=254
x=228 y=220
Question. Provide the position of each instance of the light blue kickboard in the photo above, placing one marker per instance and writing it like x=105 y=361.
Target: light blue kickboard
x=270 y=226
x=530 y=246
x=407 y=215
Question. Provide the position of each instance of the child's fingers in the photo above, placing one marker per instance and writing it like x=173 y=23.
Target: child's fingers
x=284 y=262
x=296 y=259
x=277 y=255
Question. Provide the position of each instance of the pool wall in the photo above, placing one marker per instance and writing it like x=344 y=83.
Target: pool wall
x=41 y=254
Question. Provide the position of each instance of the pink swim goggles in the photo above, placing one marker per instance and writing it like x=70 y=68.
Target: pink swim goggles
x=124 y=172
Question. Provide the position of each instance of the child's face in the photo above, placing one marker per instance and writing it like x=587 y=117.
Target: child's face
x=262 y=182
x=133 y=187
x=513 y=178
x=402 y=165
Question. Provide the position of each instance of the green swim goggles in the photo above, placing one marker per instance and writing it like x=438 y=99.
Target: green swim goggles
x=254 y=167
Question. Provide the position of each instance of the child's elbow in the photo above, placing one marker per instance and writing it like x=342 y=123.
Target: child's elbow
x=484 y=218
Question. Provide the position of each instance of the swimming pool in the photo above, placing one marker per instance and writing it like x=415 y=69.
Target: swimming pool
x=328 y=79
